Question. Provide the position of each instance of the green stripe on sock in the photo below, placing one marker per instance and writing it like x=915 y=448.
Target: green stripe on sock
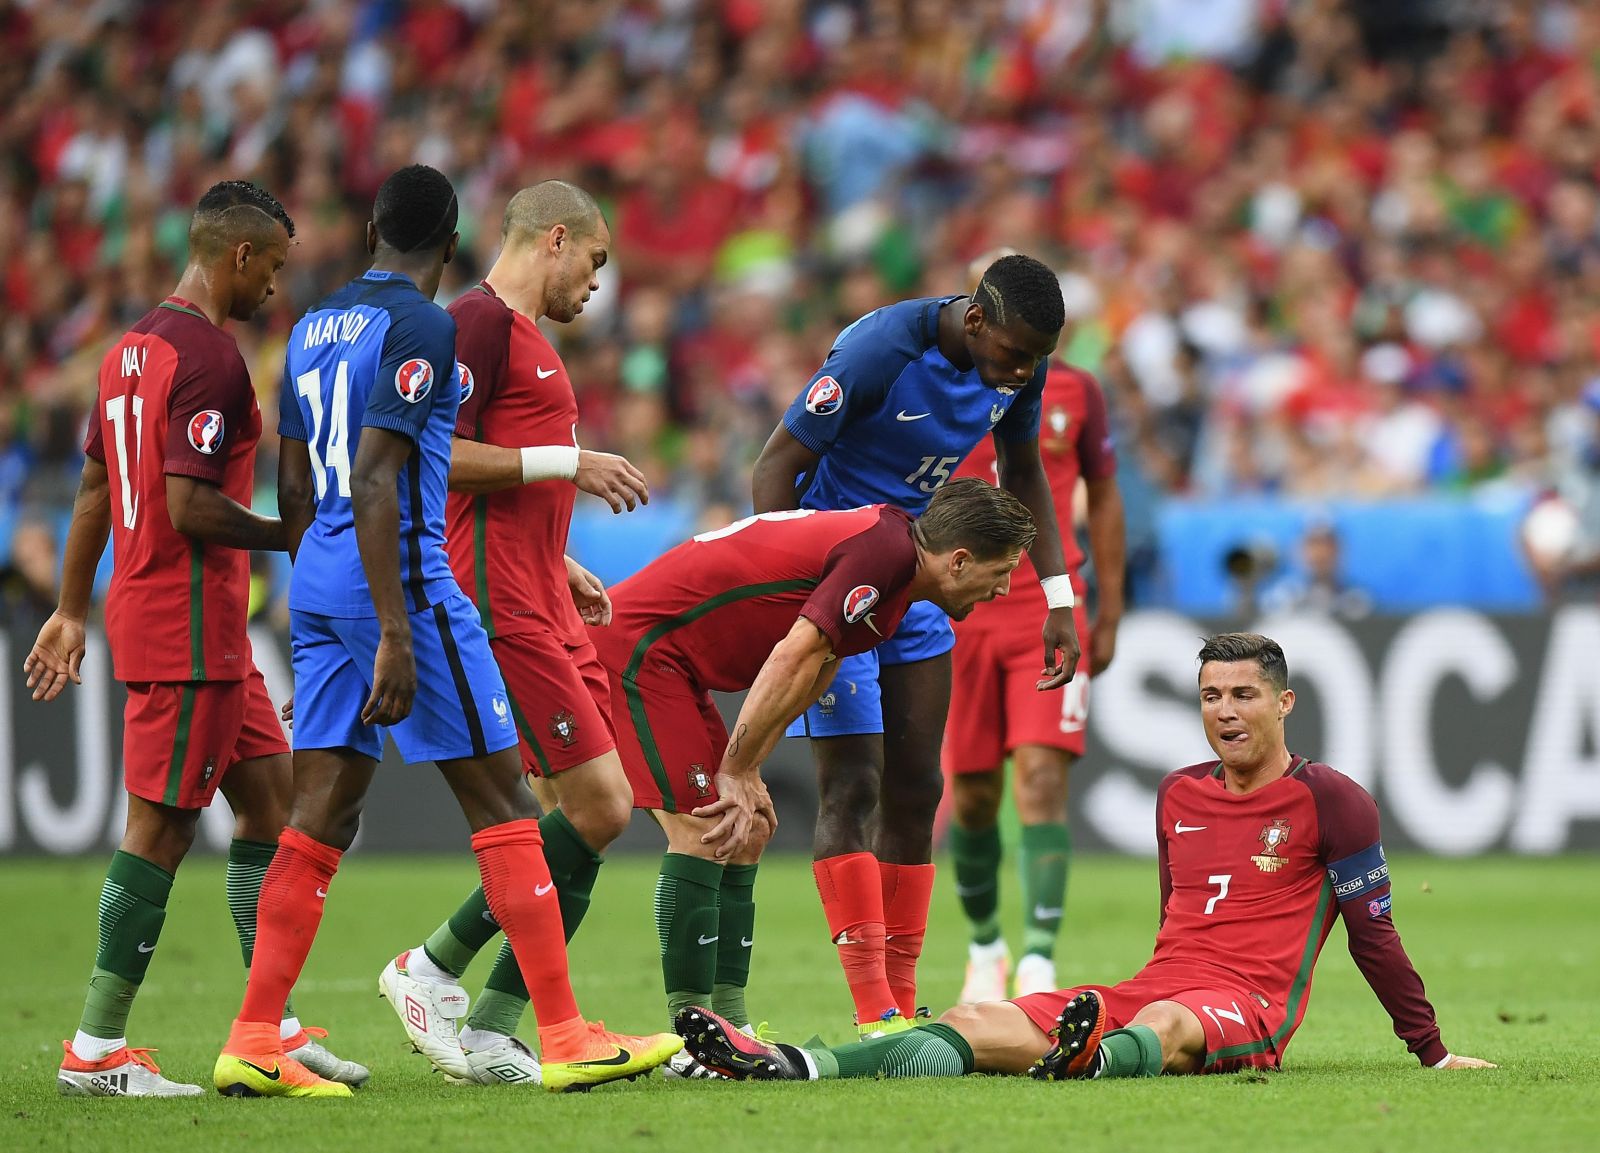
x=687 y=924
x=930 y=1051
x=1045 y=857
x=248 y=862
x=977 y=860
x=736 y=928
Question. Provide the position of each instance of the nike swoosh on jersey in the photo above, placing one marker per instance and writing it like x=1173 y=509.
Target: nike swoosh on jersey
x=1180 y=827
x=271 y=1075
x=543 y=373
x=904 y=415
x=622 y=1058
x=870 y=624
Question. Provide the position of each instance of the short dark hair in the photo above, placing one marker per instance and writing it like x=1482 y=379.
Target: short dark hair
x=973 y=514
x=416 y=210
x=1266 y=652
x=1021 y=288
x=232 y=211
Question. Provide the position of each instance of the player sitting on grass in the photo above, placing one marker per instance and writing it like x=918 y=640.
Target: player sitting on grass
x=770 y=604
x=1260 y=852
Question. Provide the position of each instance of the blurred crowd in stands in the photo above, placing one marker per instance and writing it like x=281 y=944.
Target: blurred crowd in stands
x=1318 y=248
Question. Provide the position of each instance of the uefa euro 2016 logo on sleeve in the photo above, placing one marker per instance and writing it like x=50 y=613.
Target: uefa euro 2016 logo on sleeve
x=464 y=378
x=205 y=431
x=857 y=601
x=825 y=397
x=413 y=380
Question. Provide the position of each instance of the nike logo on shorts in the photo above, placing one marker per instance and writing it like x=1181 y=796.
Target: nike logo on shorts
x=543 y=373
x=1180 y=827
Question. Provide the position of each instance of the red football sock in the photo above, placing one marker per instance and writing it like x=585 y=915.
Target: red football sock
x=522 y=898
x=852 y=899
x=907 y=892
x=287 y=915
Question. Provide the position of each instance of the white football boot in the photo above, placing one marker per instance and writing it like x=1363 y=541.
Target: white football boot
x=124 y=1073
x=1036 y=974
x=504 y=1061
x=307 y=1048
x=429 y=1012
x=988 y=967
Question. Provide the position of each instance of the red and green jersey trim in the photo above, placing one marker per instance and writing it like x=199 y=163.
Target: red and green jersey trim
x=630 y=689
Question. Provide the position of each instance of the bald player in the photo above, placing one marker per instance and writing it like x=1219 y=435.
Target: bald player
x=515 y=472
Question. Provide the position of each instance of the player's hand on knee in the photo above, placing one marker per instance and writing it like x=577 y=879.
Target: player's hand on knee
x=394 y=684
x=56 y=655
x=1455 y=1062
x=613 y=479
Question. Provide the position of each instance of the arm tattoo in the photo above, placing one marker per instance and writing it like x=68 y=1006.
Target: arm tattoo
x=738 y=736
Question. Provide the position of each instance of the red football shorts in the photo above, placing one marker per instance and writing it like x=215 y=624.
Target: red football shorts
x=180 y=737
x=994 y=707
x=1239 y=1029
x=671 y=739
x=559 y=699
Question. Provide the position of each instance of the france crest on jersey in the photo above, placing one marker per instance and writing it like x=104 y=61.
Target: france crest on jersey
x=891 y=417
x=374 y=354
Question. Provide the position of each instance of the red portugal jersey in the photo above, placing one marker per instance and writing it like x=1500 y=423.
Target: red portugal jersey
x=1074 y=440
x=715 y=606
x=175 y=400
x=1251 y=886
x=507 y=547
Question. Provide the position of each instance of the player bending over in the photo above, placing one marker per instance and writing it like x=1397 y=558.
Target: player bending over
x=169 y=471
x=384 y=639
x=508 y=515
x=771 y=604
x=1260 y=851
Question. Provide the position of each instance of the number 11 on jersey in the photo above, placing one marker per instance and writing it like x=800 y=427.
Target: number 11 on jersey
x=334 y=453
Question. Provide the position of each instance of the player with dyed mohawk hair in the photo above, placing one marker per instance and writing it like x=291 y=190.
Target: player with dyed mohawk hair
x=384 y=639
x=169 y=469
x=1260 y=852
x=903 y=397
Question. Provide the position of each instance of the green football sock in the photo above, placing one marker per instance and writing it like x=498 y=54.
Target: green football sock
x=736 y=931
x=1046 y=852
x=977 y=858
x=133 y=905
x=686 y=919
x=248 y=862
x=574 y=866
x=1131 y=1052
x=454 y=943
x=928 y=1051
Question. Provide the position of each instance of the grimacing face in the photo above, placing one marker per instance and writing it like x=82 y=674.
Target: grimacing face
x=966 y=581
x=1243 y=714
x=1005 y=357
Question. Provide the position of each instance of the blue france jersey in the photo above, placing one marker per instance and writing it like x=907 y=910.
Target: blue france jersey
x=374 y=354
x=891 y=417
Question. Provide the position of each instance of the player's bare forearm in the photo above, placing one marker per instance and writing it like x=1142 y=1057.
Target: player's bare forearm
x=297 y=492
x=772 y=482
x=794 y=675
x=1108 y=545
x=201 y=510
x=86 y=540
x=375 y=507
x=476 y=467
x=1021 y=473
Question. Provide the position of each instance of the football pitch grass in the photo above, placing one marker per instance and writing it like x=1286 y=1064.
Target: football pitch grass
x=1509 y=949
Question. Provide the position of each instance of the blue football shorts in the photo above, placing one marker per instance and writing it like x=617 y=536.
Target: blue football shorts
x=853 y=703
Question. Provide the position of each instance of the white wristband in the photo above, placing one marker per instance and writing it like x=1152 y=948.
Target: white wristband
x=1057 y=590
x=1448 y=1057
x=549 y=462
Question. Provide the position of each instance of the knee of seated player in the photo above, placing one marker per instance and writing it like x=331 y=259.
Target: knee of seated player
x=159 y=834
x=975 y=799
x=1183 y=1039
x=597 y=799
x=1039 y=783
x=1003 y=1038
x=260 y=791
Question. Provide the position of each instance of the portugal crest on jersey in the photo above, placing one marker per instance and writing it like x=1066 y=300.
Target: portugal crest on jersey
x=825 y=397
x=1273 y=838
x=857 y=601
x=205 y=431
x=413 y=380
x=464 y=378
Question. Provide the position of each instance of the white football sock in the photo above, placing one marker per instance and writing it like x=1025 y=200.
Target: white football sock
x=421 y=966
x=95 y=1048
